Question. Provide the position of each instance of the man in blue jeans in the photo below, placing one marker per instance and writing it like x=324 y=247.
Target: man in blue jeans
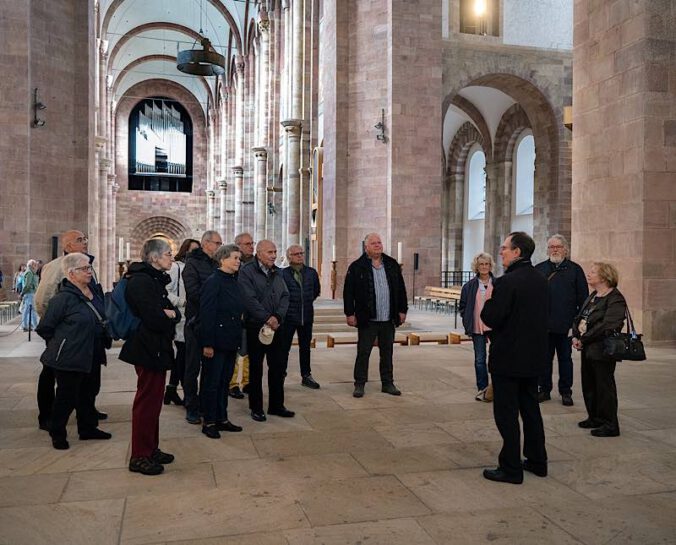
x=567 y=293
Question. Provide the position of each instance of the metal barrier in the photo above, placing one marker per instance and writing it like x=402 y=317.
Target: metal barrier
x=8 y=311
x=455 y=278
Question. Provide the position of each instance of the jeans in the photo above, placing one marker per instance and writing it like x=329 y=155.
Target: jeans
x=384 y=332
x=480 y=368
x=29 y=313
x=216 y=373
x=560 y=343
x=304 y=340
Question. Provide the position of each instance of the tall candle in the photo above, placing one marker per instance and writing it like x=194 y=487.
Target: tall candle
x=128 y=251
x=333 y=253
x=120 y=250
x=400 y=251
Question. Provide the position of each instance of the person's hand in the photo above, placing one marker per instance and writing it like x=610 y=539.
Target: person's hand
x=351 y=320
x=402 y=317
x=170 y=313
x=577 y=343
x=208 y=352
x=273 y=322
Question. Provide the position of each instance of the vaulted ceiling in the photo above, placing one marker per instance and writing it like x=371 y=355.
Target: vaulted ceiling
x=144 y=37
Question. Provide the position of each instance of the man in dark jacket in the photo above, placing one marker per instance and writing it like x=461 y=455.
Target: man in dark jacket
x=303 y=285
x=375 y=302
x=199 y=265
x=567 y=293
x=517 y=315
x=266 y=300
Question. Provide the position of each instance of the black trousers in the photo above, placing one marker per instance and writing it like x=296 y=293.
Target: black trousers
x=599 y=390
x=74 y=390
x=512 y=397
x=276 y=359
x=193 y=362
x=384 y=332
x=178 y=367
x=46 y=384
x=304 y=340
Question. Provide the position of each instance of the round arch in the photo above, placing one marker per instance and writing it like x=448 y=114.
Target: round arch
x=169 y=229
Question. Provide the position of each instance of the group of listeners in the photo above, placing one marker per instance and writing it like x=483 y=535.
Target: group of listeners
x=216 y=311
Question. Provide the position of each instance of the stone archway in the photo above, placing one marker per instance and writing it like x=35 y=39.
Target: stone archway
x=166 y=228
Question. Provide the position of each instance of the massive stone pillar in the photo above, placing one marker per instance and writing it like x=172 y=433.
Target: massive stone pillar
x=103 y=230
x=624 y=152
x=260 y=197
x=222 y=202
x=237 y=169
x=111 y=263
x=238 y=175
x=293 y=128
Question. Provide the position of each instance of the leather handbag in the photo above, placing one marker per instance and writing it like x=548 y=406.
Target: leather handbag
x=625 y=346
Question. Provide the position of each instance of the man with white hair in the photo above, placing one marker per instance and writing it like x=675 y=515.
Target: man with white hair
x=567 y=293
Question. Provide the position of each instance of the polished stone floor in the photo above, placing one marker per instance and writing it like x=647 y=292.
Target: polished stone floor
x=374 y=471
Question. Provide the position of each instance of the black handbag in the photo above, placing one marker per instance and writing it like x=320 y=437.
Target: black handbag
x=625 y=346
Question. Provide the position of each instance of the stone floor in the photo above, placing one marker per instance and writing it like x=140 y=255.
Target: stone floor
x=377 y=470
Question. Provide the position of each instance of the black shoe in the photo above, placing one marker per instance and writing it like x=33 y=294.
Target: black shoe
x=236 y=393
x=589 y=424
x=211 y=432
x=544 y=396
x=60 y=444
x=390 y=388
x=358 y=390
x=309 y=382
x=171 y=396
x=44 y=425
x=539 y=470
x=146 y=466
x=95 y=434
x=500 y=476
x=245 y=389
x=228 y=426
x=258 y=417
x=567 y=400
x=101 y=416
x=283 y=412
x=193 y=418
x=160 y=457
x=605 y=431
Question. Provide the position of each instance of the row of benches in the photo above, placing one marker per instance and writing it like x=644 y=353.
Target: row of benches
x=444 y=300
x=403 y=339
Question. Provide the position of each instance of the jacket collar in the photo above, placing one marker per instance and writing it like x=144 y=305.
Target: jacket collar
x=140 y=267
x=519 y=263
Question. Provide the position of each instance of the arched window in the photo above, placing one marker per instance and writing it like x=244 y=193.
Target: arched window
x=523 y=184
x=475 y=205
x=160 y=146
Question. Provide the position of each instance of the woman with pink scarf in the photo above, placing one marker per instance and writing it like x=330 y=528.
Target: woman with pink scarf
x=473 y=296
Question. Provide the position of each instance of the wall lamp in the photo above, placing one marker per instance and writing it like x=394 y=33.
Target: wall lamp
x=37 y=105
x=381 y=127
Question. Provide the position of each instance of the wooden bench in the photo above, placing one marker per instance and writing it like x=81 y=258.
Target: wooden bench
x=441 y=337
x=351 y=338
x=313 y=342
x=439 y=300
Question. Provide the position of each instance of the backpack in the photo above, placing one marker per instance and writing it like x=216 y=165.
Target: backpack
x=122 y=322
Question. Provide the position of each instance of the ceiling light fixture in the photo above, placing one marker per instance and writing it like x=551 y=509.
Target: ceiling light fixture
x=201 y=62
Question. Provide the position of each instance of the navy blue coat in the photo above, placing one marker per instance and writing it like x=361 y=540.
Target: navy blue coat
x=301 y=309
x=568 y=291
x=221 y=309
x=467 y=302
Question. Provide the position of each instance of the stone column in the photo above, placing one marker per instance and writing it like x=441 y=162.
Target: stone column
x=292 y=188
x=238 y=169
x=238 y=175
x=211 y=213
x=112 y=267
x=102 y=116
x=222 y=197
x=103 y=257
x=260 y=197
x=297 y=59
x=493 y=210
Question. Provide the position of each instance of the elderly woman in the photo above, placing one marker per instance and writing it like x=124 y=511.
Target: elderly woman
x=472 y=298
x=176 y=291
x=74 y=329
x=149 y=349
x=28 y=288
x=220 y=327
x=602 y=313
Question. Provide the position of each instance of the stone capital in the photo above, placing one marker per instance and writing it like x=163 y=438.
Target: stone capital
x=222 y=185
x=237 y=170
x=263 y=21
x=115 y=187
x=292 y=126
x=260 y=152
x=104 y=163
x=100 y=142
x=211 y=194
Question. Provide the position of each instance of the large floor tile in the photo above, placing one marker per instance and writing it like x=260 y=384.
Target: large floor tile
x=413 y=435
x=392 y=532
x=32 y=489
x=307 y=443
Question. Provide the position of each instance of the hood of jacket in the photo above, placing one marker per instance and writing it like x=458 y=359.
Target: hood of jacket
x=140 y=267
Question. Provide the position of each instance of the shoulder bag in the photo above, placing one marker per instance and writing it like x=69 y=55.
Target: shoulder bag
x=621 y=346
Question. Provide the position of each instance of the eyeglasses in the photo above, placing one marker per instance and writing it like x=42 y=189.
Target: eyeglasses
x=167 y=254
x=81 y=240
x=86 y=268
x=296 y=254
x=555 y=247
x=216 y=242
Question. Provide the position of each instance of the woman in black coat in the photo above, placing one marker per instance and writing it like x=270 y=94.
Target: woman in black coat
x=76 y=338
x=220 y=330
x=602 y=313
x=151 y=352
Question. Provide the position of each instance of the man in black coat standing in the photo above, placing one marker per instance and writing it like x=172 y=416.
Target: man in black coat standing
x=517 y=315
x=375 y=302
x=199 y=265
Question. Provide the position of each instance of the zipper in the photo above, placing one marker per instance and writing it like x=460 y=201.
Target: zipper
x=60 y=348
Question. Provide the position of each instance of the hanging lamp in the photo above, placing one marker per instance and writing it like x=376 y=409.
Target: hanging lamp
x=201 y=62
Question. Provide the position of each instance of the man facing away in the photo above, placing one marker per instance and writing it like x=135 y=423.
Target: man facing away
x=568 y=291
x=517 y=315
x=375 y=302
x=303 y=285
x=245 y=243
x=199 y=265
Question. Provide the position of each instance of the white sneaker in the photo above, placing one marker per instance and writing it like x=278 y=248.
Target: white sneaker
x=480 y=395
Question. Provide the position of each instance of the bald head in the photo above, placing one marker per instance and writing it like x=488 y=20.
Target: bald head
x=74 y=241
x=373 y=245
x=266 y=253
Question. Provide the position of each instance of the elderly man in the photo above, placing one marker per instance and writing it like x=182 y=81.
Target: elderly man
x=199 y=265
x=567 y=293
x=245 y=243
x=303 y=285
x=266 y=300
x=52 y=274
x=517 y=316
x=375 y=302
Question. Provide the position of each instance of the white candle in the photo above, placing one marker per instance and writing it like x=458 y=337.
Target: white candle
x=400 y=251
x=128 y=251
x=120 y=250
x=333 y=253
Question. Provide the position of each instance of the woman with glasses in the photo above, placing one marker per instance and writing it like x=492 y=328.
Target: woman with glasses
x=150 y=350
x=74 y=329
